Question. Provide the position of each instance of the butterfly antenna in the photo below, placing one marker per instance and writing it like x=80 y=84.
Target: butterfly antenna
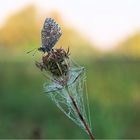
x=32 y=50
x=35 y=52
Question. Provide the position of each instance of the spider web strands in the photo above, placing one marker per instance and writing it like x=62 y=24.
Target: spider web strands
x=60 y=96
x=86 y=101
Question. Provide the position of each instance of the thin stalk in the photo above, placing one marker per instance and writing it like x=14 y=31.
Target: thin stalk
x=77 y=109
x=80 y=116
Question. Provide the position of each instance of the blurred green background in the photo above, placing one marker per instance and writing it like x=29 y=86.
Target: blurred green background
x=113 y=82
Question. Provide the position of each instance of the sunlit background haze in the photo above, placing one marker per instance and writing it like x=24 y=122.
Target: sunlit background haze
x=102 y=35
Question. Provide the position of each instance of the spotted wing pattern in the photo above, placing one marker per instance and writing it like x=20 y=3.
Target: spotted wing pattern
x=50 y=34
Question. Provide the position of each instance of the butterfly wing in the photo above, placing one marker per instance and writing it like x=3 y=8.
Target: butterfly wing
x=50 y=34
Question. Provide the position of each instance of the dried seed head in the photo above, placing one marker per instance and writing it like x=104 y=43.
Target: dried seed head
x=56 y=62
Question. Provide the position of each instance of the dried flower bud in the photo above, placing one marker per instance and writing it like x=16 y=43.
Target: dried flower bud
x=56 y=62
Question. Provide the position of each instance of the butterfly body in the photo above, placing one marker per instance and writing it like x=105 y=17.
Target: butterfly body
x=50 y=34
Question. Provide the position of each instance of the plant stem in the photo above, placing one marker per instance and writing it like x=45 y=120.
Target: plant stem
x=80 y=116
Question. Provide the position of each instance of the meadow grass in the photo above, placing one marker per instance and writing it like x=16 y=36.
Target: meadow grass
x=113 y=88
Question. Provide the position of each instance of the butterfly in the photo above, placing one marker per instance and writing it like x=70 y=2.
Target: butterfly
x=50 y=34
